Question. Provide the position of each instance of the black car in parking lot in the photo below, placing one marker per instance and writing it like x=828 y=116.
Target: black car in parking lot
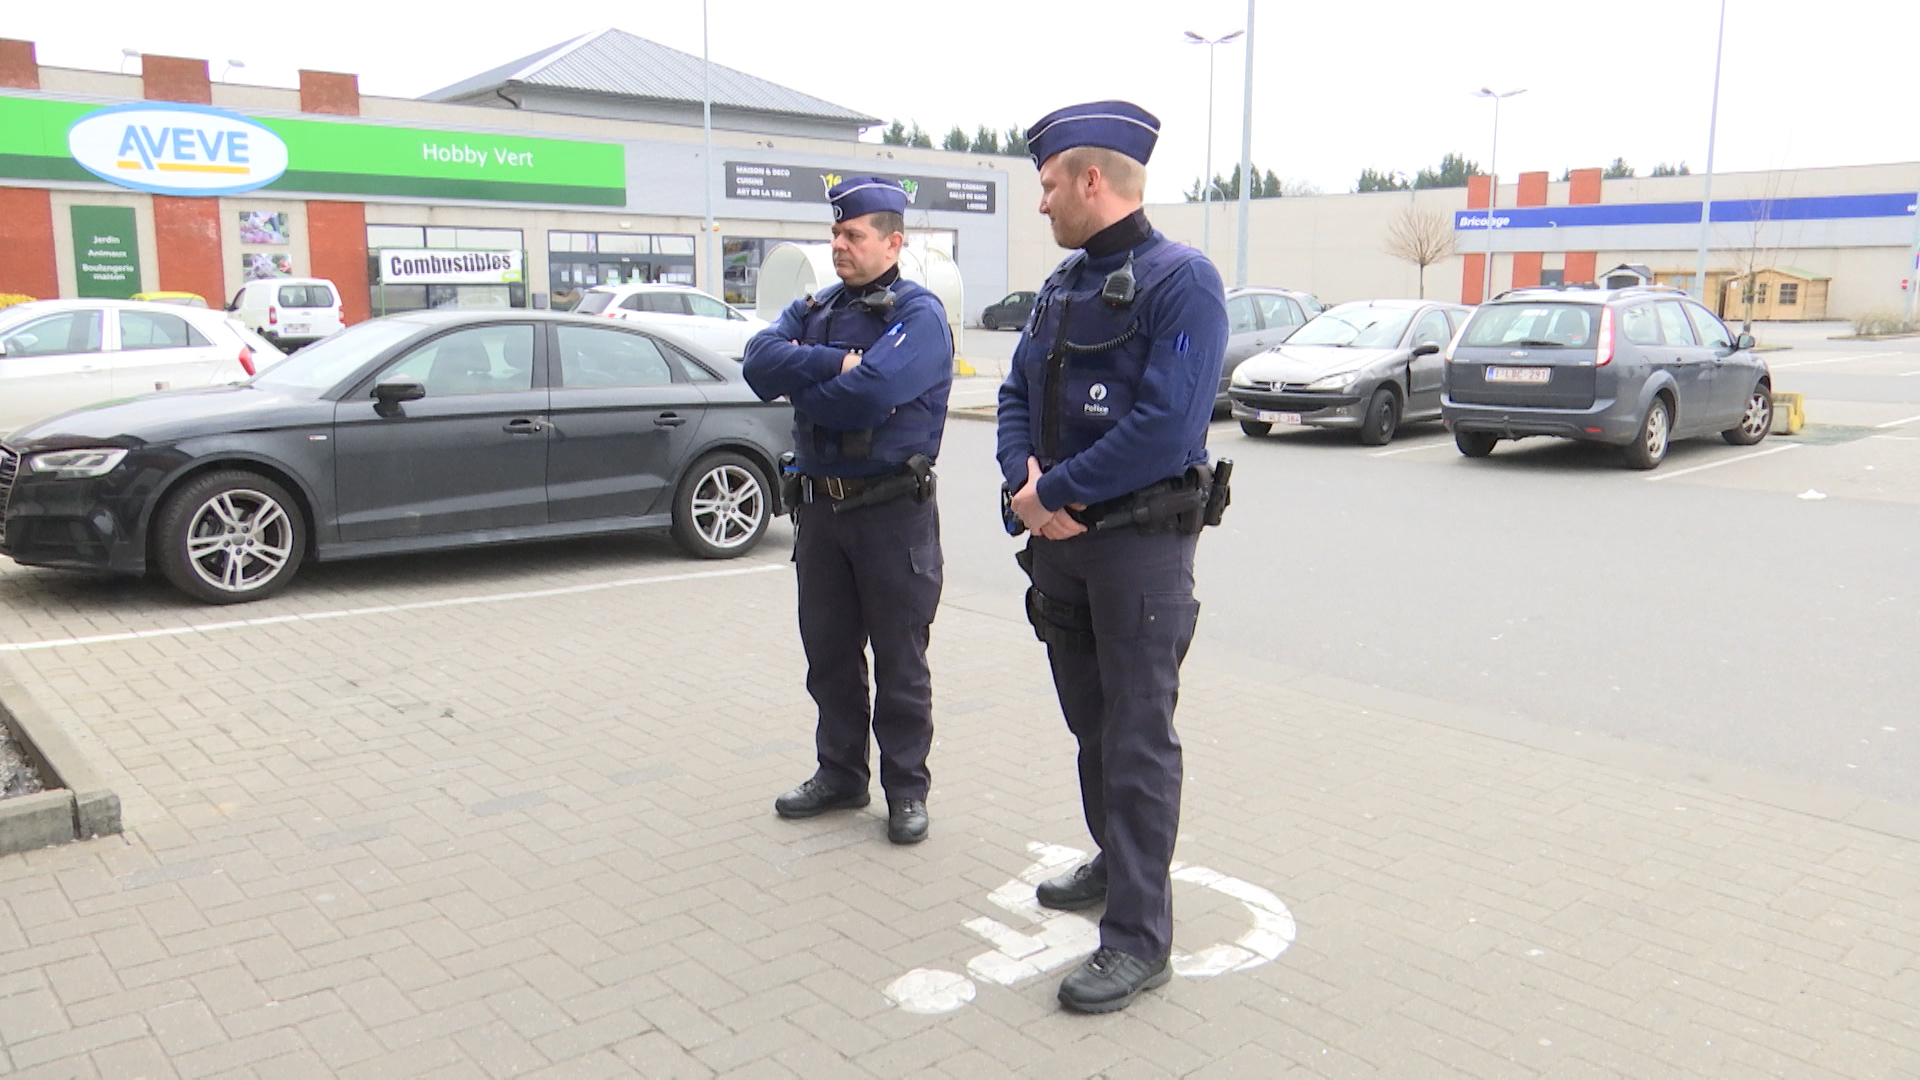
x=1009 y=313
x=433 y=429
x=1636 y=367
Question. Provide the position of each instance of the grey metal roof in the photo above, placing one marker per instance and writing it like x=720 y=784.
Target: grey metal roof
x=618 y=64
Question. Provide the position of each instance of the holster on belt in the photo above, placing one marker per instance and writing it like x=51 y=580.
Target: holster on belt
x=915 y=479
x=1056 y=622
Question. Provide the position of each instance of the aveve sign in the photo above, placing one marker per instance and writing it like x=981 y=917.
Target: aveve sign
x=172 y=149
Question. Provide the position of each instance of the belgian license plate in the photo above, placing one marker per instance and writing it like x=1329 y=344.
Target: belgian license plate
x=297 y=328
x=1519 y=374
x=1266 y=417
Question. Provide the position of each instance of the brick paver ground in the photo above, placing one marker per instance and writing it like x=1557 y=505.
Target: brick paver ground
x=534 y=837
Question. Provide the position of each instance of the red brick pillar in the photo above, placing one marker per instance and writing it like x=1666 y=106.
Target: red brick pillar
x=1526 y=264
x=1473 y=269
x=186 y=229
x=26 y=239
x=186 y=232
x=1583 y=191
x=26 y=214
x=337 y=231
x=19 y=68
x=337 y=246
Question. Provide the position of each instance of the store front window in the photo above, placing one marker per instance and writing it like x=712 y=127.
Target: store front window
x=418 y=292
x=577 y=261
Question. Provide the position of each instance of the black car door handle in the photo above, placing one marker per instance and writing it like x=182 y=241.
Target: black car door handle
x=667 y=419
x=522 y=427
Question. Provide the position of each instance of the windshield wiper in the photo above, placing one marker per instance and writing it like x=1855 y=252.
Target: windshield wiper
x=1540 y=344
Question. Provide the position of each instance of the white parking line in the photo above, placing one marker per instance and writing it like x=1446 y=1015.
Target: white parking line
x=1724 y=461
x=1897 y=423
x=1411 y=449
x=1835 y=360
x=383 y=609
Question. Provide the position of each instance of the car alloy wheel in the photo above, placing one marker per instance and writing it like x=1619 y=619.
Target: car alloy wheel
x=239 y=540
x=1757 y=422
x=230 y=537
x=722 y=508
x=1649 y=448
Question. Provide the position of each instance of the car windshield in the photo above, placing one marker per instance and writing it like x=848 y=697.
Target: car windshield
x=594 y=302
x=1358 y=327
x=1543 y=326
x=322 y=365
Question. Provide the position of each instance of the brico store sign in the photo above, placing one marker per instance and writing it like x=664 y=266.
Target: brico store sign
x=170 y=149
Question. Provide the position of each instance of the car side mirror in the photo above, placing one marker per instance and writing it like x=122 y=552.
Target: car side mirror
x=1744 y=341
x=1425 y=348
x=399 y=388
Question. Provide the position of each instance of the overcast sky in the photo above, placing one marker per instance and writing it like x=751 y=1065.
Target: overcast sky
x=1338 y=87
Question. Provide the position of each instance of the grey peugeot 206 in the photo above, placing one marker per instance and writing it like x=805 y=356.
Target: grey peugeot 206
x=433 y=429
x=1370 y=365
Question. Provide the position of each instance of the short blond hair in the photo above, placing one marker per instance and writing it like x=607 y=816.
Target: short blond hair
x=1127 y=177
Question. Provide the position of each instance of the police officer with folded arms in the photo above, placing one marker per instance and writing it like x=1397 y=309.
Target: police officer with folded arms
x=1103 y=444
x=867 y=365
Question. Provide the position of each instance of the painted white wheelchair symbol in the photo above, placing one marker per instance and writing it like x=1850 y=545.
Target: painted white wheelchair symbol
x=1062 y=938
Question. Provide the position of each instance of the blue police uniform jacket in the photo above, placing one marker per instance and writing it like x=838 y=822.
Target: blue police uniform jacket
x=1113 y=398
x=898 y=391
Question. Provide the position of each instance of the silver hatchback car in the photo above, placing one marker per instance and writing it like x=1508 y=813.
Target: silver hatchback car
x=1369 y=364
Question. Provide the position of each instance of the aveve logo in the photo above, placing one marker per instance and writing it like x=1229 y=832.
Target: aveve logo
x=174 y=149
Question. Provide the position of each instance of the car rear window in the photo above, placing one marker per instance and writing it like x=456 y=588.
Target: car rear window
x=305 y=296
x=593 y=302
x=1564 y=326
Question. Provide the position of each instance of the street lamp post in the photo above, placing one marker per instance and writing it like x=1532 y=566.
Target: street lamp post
x=1493 y=183
x=1706 y=193
x=1206 y=194
x=231 y=64
x=1246 y=163
x=126 y=55
x=706 y=158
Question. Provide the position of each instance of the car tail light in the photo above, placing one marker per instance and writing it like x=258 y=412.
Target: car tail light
x=1606 y=338
x=273 y=316
x=246 y=360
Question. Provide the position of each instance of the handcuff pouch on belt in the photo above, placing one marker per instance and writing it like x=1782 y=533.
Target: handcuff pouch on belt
x=1056 y=622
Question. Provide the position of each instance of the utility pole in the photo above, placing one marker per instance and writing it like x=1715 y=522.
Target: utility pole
x=1246 y=163
x=1706 y=193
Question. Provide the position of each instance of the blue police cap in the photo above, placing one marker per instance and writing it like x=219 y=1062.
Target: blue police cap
x=1115 y=125
x=857 y=196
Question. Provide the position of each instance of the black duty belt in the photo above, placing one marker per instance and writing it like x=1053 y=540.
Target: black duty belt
x=848 y=492
x=841 y=487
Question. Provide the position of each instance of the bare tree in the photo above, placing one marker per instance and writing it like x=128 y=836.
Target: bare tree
x=1422 y=237
x=1755 y=254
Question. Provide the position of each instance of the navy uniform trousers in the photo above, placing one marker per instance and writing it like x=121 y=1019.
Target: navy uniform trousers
x=870 y=577
x=1119 y=701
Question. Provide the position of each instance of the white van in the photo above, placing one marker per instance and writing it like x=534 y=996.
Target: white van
x=290 y=312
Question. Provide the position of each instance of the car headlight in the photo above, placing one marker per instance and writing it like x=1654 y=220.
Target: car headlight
x=76 y=464
x=1339 y=381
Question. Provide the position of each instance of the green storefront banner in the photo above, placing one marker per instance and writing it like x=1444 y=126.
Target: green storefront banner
x=346 y=158
x=106 y=251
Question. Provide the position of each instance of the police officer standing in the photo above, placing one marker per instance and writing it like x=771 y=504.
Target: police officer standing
x=867 y=365
x=1102 y=441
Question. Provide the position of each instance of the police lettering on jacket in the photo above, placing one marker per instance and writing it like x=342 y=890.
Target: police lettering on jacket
x=1113 y=397
x=871 y=419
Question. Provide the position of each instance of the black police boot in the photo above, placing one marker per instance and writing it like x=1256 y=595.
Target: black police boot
x=906 y=820
x=1110 y=980
x=1083 y=888
x=816 y=796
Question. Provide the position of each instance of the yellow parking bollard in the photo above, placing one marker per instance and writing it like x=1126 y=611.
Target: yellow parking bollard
x=961 y=367
x=1789 y=413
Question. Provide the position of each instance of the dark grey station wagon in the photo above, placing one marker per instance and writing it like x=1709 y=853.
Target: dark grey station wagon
x=433 y=429
x=1635 y=367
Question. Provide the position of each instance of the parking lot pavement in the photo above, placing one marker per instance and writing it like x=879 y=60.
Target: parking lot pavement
x=493 y=816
